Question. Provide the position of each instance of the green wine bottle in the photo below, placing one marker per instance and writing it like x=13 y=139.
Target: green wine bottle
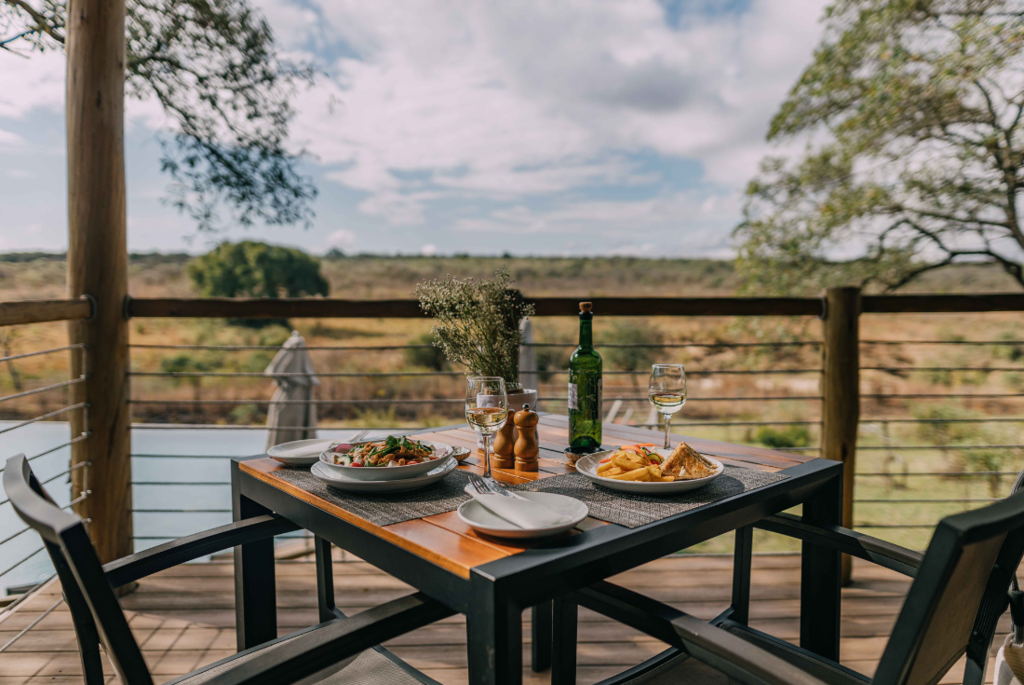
x=585 y=388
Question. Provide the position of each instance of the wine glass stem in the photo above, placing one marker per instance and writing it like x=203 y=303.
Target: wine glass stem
x=668 y=430
x=487 y=456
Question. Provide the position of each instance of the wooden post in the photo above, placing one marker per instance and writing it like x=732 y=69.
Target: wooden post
x=98 y=264
x=840 y=389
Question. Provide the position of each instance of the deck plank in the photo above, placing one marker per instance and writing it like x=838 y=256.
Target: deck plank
x=184 y=617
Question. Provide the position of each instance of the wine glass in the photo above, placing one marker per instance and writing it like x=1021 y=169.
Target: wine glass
x=486 y=410
x=667 y=392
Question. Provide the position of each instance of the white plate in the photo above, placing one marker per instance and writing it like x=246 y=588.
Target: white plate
x=382 y=486
x=300 y=452
x=587 y=466
x=388 y=472
x=480 y=518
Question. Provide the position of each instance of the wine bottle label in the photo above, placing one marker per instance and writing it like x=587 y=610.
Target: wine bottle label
x=574 y=402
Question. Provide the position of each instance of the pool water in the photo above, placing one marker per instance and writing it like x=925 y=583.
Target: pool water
x=197 y=458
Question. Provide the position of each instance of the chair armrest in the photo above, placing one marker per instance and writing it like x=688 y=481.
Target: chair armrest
x=338 y=640
x=733 y=656
x=850 y=542
x=134 y=566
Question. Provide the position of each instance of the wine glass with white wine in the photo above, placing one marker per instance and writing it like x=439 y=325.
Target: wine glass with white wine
x=667 y=392
x=486 y=410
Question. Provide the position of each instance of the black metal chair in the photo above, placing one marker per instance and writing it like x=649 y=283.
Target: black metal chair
x=336 y=652
x=957 y=596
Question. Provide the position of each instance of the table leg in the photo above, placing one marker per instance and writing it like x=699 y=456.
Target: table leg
x=255 y=592
x=324 y=579
x=541 y=637
x=741 y=575
x=494 y=632
x=821 y=576
x=563 y=658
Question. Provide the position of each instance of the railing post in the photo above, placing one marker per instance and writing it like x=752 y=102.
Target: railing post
x=840 y=390
x=97 y=263
x=528 y=376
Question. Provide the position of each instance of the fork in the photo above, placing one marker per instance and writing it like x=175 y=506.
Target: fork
x=486 y=486
x=359 y=436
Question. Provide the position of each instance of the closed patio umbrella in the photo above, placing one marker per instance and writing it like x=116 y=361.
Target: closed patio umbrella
x=291 y=415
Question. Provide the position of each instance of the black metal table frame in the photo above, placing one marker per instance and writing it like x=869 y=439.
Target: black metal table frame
x=496 y=593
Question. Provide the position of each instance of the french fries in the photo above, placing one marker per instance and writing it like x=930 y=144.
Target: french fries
x=630 y=463
x=644 y=474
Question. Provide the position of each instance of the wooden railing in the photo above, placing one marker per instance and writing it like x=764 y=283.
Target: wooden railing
x=839 y=309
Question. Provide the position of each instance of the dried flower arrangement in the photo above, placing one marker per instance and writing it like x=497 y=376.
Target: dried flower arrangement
x=477 y=323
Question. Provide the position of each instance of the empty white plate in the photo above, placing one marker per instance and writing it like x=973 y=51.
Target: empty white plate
x=481 y=519
x=300 y=452
x=342 y=482
x=587 y=466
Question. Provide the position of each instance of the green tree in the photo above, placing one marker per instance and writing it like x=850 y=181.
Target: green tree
x=213 y=67
x=911 y=113
x=252 y=269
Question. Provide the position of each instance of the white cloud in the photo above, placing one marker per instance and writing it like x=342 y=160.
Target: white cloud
x=341 y=239
x=10 y=141
x=462 y=116
x=29 y=83
x=428 y=250
x=507 y=100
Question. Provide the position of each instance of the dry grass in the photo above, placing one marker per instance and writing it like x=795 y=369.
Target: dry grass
x=389 y=278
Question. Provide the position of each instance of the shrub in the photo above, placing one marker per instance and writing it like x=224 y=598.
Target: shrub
x=632 y=358
x=425 y=357
x=790 y=436
x=253 y=269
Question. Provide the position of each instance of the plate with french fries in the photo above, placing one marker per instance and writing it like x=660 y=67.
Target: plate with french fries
x=645 y=469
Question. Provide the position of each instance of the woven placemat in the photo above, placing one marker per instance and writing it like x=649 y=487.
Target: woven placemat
x=633 y=511
x=623 y=508
x=383 y=510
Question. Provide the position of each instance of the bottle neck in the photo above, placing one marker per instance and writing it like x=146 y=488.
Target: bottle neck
x=586 y=332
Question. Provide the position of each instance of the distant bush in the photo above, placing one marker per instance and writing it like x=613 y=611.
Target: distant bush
x=952 y=425
x=630 y=333
x=791 y=436
x=23 y=257
x=549 y=360
x=425 y=357
x=253 y=269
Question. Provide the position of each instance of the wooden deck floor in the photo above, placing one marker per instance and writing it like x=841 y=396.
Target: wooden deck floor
x=183 y=618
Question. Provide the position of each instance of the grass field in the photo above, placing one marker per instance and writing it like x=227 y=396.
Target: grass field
x=376 y=277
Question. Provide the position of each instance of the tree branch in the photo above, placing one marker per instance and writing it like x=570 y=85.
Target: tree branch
x=42 y=25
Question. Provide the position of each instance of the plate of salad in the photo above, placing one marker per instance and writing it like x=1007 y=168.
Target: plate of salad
x=390 y=458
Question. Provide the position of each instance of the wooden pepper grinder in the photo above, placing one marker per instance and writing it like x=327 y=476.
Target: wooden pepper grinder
x=526 y=447
x=502 y=449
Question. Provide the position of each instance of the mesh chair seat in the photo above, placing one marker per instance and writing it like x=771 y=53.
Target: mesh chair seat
x=371 y=666
x=686 y=669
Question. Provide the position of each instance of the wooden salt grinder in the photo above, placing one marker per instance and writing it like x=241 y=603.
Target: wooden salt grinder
x=502 y=449
x=526 y=447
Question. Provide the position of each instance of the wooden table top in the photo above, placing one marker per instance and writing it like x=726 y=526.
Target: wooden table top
x=446 y=541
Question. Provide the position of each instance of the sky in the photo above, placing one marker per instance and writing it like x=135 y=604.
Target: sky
x=470 y=126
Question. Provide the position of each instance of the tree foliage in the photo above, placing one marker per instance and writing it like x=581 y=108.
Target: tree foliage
x=213 y=67
x=252 y=269
x=911 y=117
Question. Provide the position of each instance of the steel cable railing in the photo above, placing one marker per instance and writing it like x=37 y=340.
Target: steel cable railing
x=60 y=414
x=964 y=436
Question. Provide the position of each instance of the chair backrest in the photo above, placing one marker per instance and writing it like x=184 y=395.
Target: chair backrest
x=88 y=593
x=957 y=597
